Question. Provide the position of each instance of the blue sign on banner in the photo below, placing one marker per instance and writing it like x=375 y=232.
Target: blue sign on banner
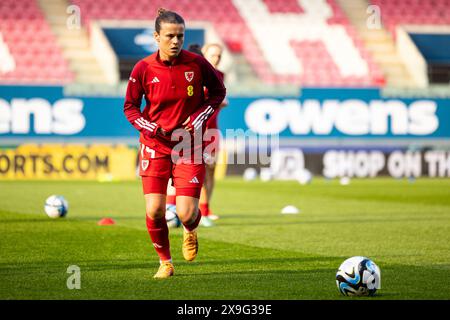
x=431 y=46
x=137 y=43
x=33 y=112
x=45 y=112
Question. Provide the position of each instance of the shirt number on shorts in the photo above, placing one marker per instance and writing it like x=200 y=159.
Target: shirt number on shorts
x=190 y=90
x=150 y=151
x=146 y=162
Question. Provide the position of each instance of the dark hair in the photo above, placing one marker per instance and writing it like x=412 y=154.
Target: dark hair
x=168 y=17
x=195 y=48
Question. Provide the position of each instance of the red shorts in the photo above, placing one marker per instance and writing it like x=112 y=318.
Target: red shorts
x=156 y=170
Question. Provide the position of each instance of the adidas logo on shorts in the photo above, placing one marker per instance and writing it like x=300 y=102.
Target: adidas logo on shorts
x=194 y=180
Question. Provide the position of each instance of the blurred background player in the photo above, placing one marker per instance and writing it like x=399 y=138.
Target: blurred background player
x=195 y=48
x=213 y=53
x=178 y=102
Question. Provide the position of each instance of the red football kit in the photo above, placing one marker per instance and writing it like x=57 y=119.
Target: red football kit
x=173 y=91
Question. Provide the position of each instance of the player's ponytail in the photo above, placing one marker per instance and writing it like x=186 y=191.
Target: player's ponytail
x=168 y=17
x=161 y=11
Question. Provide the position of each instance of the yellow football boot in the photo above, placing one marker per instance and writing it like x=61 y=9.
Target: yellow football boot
x=165 y=270
x=190 y=245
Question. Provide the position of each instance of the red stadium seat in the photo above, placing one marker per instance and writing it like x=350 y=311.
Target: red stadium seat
x=413 y=12
x=32 y=44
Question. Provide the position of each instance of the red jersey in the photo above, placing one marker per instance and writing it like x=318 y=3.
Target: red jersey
x=173 y=92
x=212 y=121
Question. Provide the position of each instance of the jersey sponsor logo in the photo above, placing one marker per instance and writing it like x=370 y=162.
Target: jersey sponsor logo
x=155 y=80
x=189 y=75
x=144 y=164
x=194 y=180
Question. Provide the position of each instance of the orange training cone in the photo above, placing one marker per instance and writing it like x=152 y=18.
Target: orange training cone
x=106 y=222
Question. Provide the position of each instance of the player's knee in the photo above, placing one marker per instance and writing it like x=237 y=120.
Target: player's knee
x=155 y=212
x=187 y=213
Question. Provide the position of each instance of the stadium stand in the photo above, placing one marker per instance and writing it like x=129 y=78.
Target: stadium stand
x=239 y=30
x=327 y=49
x=413 y=12
x=276 y=42
x=30 y=48
x=382 y=40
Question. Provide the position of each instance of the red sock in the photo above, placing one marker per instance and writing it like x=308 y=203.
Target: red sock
x=159 y=233
x=195 y=224
x=171 y=199
x=204 y=208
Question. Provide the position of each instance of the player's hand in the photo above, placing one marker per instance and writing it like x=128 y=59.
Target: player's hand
x=162 y=131
x=186 y=125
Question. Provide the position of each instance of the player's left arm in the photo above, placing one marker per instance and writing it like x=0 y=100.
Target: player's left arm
x=216 y=94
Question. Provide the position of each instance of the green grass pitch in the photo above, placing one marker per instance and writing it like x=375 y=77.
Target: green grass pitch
x=253 y=252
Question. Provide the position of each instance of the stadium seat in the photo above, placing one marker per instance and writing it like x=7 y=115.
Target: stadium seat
x=29 y=38
x=413 y=12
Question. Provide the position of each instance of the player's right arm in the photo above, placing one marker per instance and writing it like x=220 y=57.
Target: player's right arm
x=133 y=100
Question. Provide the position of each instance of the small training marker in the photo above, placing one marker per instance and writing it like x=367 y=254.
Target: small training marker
x=106 y=222
x=345 y=181
x=266 y=174
x=290 y=210
x=250 y=174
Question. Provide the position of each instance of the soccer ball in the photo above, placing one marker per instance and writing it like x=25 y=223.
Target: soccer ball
x=56 y=206
x=358 y=276
x=171 y=216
